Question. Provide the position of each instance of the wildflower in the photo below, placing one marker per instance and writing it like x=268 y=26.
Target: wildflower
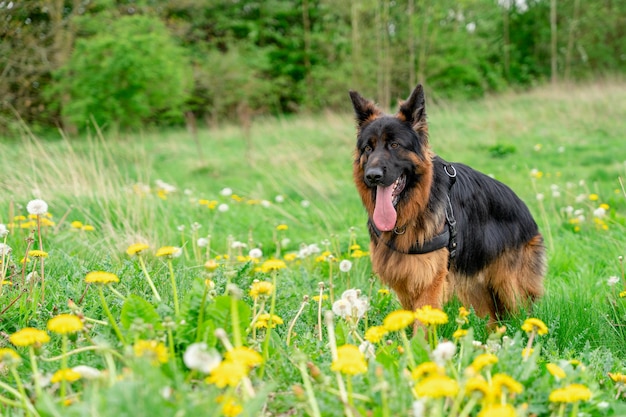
x=169 y=251
x=499 y=381
x=35 y=253
x=612 y=281
x=37 y=207
x=87 y=372
x=428 y=315
x=222 y=208
x=290 y=257
x=533 y=324
x=358 y=254
x=227 y=373
x=526 y=352
x=483 y=360
x=263 y=321
x=3 y=230
x=305 y=203
x=153 y=350
x=101 y=277
x=426 y=369
x=617 y=377
x=351 y=305
x=282 y=227
x=211 y=265
x=5 y=249
x=317 y=298
x=255 y=253
x=244 y=355
x=570 y=394
x=272 y=265
x=383 y=291
x=459 y=333
x=437 y=386
x=375 y=334
x=226 y=192
x=65 y=324
x=478 y=384
x=555 y=370
x=199 y=358
x=350 y=361
x=622 y=294
x=9 y=357
x=29 y=336
x=444 y=352
x=230 y=408
x=594 y=197
x=76 y=224
x=345 y=265
x=498 y=410
x=261 y=289
x=136 y=248
x=88 y=228
x=398 y=320
x=66 y=374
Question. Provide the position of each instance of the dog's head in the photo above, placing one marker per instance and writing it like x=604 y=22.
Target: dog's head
x=392 y=157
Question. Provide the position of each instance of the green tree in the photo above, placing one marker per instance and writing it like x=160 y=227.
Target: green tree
x=128 y=74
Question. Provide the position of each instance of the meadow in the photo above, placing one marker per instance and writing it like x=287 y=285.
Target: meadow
x=157 y=273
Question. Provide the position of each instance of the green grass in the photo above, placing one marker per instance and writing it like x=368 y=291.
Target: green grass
x=572 y=137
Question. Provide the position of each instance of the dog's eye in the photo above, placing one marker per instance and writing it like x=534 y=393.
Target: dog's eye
x=367 y=149
x=394 y=145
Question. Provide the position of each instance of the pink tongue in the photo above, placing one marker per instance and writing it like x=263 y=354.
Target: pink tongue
x=384 y=213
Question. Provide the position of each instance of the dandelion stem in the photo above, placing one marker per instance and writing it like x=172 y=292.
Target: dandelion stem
x=33 y=365
x=268 y=333
x=174 y=290
x=147 y=275
x=20 y=388
x=468 y=407
x=201 y=312
x=407 y=348
x=305 y=302
x=29 y=407
x=332 y=341
x=63 y=365
x=112 y=321
x=43 y=282
x=310 y=393
x=319 y=312
x=234 y=315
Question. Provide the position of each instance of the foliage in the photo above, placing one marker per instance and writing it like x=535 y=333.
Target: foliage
x=127 y=74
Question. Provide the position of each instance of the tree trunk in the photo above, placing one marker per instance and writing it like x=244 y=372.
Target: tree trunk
x=306 y=25
x=507 y=43
x=553 y=44
x=356 y=45
x=570 y=40
x=421 y=62
x=411 y=35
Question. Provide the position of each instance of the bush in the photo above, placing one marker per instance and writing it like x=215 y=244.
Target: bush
x=128 y=74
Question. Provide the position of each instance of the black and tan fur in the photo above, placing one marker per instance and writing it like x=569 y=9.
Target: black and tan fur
x=500 y=259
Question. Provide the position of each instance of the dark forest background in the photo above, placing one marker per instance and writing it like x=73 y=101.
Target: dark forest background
x=122 y=63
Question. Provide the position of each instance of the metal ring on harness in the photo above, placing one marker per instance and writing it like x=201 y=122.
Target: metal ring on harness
x=451 y=175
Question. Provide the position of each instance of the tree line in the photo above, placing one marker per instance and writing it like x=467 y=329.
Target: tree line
x=128 y=63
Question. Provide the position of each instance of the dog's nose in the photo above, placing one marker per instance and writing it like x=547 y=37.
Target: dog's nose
x=374 y=175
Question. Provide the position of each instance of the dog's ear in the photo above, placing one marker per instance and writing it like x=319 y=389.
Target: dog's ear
x=364 y=109
x=413 y=110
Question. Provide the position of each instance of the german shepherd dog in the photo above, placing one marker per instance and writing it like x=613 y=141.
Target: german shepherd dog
x=439 y=228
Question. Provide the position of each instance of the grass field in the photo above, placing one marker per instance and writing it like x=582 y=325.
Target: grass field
x=285 y=188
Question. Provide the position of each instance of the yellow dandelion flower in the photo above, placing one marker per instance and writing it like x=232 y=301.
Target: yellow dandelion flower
x=67 y=374
x=555 y=370
x=290 y=257
x=463 y=314
x=437 y=386
x=570 y=394
x=19 y=218
x=264 y=319
x=169 y=251
x=316 y=298
x=282 y=227
x=350 y=361
x=35 y=253
x=604 y=206
x=272 y=265
x=211 y=265
x=526 y=352
x=478 y=384
x=261 y=288
x=227 y=373
x=358 y=253
x=499 y=381
x=622 y=294
x=230 y=407
x=29 y=336
x=88 y=228
x=101 y=277
x=483 y=360
x=426 y=369
x=237 y=198
x=355 y=246
x=459 y=333
x=375 y=334
x=398 y=320
x=9 y=357
x=428 y=315
x=153 y=350
x=533 y=324
x=245 y=356
x=324 y=256
x=383 y=291
x=617 y=377
x=594 y=197
x=76 y=224
x=65 y=324
x=136 y=248
x=497 y=410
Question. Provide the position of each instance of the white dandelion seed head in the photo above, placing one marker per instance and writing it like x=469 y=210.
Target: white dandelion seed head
x=578 y=212
x=168 y=188
x=180 y=228
x=342 y=308
x=223 y=208
x=470 y=27
x=443 y=353
x=199 y=358
x=32 y=276
x=534 y=172
x=313 y=249
x=360 y=307
x=265 y=203
x=3 y=230
x=540 y=196
x=580 y=198
x=226 y=192
x=195 y=226
x=418 y=408
x=568 y=210
x=305 y=203
x=350 y=295
x=345 y=265
x=612 y=281
x=600 y=212
x=367 y=349
x=87 y=372
x=5 y=249
x=255 y=253
x=238 y=245
x=188 y=192
x=554 y=187
x=602 y=405
x=581 y=218
x=285 y=242
x=279 y=199
x=203 y=242
x=556 y=194
x=37 y=207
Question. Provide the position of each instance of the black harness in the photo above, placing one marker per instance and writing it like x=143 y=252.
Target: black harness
x=447 y=238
